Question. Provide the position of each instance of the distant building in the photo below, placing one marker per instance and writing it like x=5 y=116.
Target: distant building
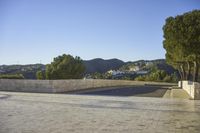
x=115 y=72
x=135 y=68
x=142 y=72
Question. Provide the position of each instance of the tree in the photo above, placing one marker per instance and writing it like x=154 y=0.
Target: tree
x=65 y=67
x=182 y=43
x=40 y=75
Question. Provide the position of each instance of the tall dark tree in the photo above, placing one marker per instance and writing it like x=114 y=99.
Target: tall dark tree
x=65 y=67
x=182 y=43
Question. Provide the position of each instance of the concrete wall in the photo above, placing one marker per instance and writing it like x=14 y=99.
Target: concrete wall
x=56 y=86
x=192 y=88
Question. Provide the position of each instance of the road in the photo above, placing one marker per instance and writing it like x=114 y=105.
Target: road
x=62 y=113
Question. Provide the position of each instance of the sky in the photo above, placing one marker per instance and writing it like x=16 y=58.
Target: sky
x=36 y=31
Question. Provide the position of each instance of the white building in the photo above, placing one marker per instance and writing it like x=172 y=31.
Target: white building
x=114 y=72
x=135 y=68
x=142 y=72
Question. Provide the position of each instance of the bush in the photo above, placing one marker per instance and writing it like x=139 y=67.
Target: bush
x=11 y=76
x=40 y=75
x=140 y=78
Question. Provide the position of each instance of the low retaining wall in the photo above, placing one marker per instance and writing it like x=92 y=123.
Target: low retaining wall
x=192 y=88
x=57 y=86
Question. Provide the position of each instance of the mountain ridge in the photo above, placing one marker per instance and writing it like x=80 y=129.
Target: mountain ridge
x=94 y=65
x=101 y=65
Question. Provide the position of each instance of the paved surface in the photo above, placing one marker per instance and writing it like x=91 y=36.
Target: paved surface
x=142 y=91
x=61 y=113
x=180 y=93
x=177 y=93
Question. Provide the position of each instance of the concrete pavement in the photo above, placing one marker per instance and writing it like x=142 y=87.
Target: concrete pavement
x=61 y=113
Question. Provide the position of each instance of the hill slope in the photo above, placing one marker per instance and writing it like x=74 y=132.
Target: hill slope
x=92 y=66
x=28 y=71
x=149 y=64
x=101 y=65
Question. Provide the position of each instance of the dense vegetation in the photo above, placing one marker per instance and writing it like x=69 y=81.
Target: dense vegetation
x=158 y=76
x=182 y=44
x=65 y=67
x=11 y=76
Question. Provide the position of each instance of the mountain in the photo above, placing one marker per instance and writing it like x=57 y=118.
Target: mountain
x=102 y=66
x=150 y=64
x=162 y=65
x=92 y=66
x=28 y=71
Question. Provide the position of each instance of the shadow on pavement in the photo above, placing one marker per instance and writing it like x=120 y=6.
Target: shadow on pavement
x=143 y=91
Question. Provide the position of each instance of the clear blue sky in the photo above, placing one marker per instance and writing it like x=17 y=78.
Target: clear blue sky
x=38 y=30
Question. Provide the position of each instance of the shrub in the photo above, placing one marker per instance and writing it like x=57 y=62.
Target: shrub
x=11 y=76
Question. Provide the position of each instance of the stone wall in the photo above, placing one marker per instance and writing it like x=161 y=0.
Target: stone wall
x=26 y=85
x=192 y=88
x=57 y=86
